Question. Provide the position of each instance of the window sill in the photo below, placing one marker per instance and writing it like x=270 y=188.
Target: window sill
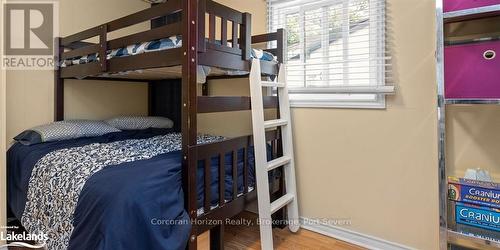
x=386 y=90
x=379 y=104
x=310 y=102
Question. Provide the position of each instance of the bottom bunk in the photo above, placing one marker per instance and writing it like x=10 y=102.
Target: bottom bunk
x=115 y=191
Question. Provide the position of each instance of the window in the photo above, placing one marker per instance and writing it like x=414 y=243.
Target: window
x=336 y=51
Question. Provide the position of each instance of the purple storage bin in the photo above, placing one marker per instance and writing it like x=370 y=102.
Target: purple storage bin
x=472 y=71
x=454 y=5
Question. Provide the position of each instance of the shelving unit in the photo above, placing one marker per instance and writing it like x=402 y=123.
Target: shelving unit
x=471 y=101
x=464 y=240
x=470 y=14
x=448 y=236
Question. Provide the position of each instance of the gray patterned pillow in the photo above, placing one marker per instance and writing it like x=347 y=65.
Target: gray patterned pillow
x=64 y=130
x=140 y=122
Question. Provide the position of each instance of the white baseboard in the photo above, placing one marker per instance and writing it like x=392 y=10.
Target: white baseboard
x=352 y=237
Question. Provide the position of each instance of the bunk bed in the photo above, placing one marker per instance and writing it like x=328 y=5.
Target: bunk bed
x=171 y=73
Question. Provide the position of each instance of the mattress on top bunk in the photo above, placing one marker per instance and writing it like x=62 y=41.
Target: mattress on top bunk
x=164 y=44
x=81 y=191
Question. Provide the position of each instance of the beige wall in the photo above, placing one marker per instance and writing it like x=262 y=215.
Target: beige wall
x=3 y=206
x=30 y=94
x=3 y=203
x=378 y=168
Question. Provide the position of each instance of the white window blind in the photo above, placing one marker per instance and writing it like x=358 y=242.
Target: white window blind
x=336 y=54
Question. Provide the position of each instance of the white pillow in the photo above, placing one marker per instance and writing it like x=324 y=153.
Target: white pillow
x=140 y=122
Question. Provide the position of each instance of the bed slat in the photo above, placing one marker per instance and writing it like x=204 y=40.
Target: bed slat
x=202 y=9
x=245 y=170
x=211 y=28
x=235 y=174
x=222 y=175
x=223 y=31
x=235 y=36
x=208 y=182
x=246 y=36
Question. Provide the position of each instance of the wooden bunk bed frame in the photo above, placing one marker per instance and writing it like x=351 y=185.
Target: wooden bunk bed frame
x=185 y=18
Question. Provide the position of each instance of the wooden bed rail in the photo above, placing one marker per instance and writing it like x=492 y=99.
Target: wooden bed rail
x=280 y=37
x=78 y=47
x=214 y=104
x=169 y=7
x=206 y=152
x=240 y=22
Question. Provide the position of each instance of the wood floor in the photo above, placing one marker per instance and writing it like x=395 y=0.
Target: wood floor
x=247 y=237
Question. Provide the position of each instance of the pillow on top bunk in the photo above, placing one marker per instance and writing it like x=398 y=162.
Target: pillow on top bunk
x=140 y=122
x=64 y=130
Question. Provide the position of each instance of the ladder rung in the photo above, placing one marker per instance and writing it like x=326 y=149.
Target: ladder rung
x=281 y=202
x=278 y=162
x=273 y=84
x=275 y=123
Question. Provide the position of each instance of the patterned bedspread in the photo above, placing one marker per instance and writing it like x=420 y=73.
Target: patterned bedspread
x=58 y=178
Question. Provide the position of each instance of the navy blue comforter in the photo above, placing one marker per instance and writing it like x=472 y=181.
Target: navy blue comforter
x=125 y=206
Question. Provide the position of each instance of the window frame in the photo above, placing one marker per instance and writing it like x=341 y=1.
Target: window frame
x=379 y=89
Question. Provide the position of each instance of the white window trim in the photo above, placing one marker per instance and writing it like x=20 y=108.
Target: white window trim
x=380 y=90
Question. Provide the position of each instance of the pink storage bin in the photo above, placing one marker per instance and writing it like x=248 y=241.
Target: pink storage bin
x=454 y=5
x=472 y=71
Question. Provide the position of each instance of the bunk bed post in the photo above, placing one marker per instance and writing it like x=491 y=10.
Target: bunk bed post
x=103 y=47
x=58 y=84
x=217 y=237
x=281 y=45
x=189 y=111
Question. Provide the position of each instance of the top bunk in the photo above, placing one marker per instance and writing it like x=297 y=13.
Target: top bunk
x=158 y=53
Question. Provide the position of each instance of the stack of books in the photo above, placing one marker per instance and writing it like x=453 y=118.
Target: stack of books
x=475 y=207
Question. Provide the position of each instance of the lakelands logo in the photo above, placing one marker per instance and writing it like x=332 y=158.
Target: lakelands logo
x=29 y=32
x=18 y=240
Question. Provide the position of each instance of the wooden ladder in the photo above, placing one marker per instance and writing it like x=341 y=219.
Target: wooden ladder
x=262 y=165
